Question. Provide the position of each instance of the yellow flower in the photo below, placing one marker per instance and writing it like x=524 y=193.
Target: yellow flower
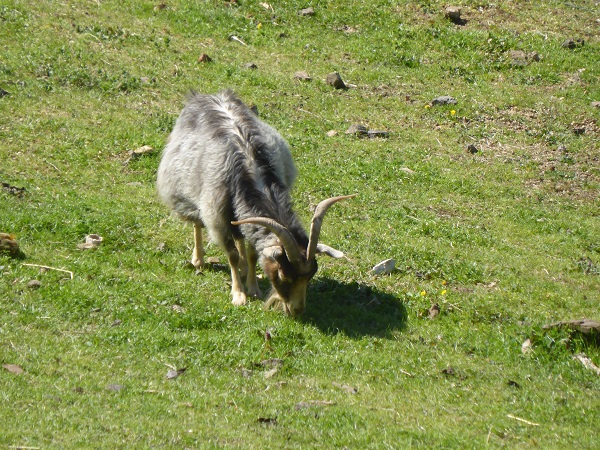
x=444 y=291
x=259 y=26
x=453 y=112
x=423 y=293
x=427 y=106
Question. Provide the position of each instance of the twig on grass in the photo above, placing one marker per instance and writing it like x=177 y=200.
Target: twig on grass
x=50 y=268
x=533 y=424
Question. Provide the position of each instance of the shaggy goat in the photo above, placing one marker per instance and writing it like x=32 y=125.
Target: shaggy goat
x=226 y=170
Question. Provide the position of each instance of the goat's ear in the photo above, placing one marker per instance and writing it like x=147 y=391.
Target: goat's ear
x=329 y=251
x=274 y=252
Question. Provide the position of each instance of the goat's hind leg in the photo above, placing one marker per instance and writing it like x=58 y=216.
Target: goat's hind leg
x=198 y=252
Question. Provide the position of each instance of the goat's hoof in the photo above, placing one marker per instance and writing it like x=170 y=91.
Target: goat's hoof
x=197 y=263
x=239 y=299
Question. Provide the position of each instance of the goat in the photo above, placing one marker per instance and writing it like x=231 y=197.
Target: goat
x=226 y=170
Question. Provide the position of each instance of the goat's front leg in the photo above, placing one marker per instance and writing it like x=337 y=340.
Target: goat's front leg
x=237 y=288
x=198 y=253
x=251 y=281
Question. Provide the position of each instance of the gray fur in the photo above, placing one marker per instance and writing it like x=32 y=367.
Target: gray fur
x=215 y=138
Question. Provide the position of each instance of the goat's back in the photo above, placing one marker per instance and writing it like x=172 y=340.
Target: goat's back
x=217 y=141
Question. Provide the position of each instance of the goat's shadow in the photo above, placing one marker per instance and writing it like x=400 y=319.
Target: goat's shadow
x=353 y=309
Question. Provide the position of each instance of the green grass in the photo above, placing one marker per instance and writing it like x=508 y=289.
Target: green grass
x=505 y=240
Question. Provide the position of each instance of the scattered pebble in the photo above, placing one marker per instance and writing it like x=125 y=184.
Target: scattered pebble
x=334 y=79
x=9 y=244
x=453 y=13
x=358 y=130
x=444 y=100
x=378 y=134
x=472 y=149
x=302 y=76
x=34 y=284
x=310 y=11
x=384 y=267
x=204 y=58
x=573 y=43
x=332 y=133
x=250 y=66
x=596 y=104
x=434 y=311
x=91 y=241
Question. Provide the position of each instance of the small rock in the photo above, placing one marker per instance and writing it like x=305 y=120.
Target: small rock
x=9 y=244
x=334 y=79
x=573 y=43
x=91 y=241
x=596 y=104
x=139 y=152
x=116 y=323
x=250 y=66
x=407 y=170
x=526 y=347
x=472 y=149
x=271 y=373
x=307 y=11
x=434 y=311
x=384 y=267
x=115 y=387
x=444 y=100
x=34 y=284
x=358 y=130
x=302 y=76
x=453 y=13
x=3 y=93
x=174 y=373
x=448 y=371
x=204 y=58
x=378 y=134
x=14 y=368
x=332 y=133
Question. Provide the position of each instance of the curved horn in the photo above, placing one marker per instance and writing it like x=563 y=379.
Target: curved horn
x=317 y=221
x=283 y=234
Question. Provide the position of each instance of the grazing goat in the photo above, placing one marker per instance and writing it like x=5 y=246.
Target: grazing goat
x=226 y=170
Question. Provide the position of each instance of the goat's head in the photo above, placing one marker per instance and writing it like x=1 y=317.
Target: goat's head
x=290 y=267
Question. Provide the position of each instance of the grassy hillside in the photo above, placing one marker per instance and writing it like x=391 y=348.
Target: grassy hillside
x=489 y=206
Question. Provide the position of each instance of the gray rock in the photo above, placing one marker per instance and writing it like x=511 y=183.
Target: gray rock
x=444 y=100
x=307 y=11
x=358 y=130
x=573 y=43
x=384 y=267
x=378 y=134
x=34 y=284
x=334 y=79
x=472 y=149
x=302 y=76
x=452 y=13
